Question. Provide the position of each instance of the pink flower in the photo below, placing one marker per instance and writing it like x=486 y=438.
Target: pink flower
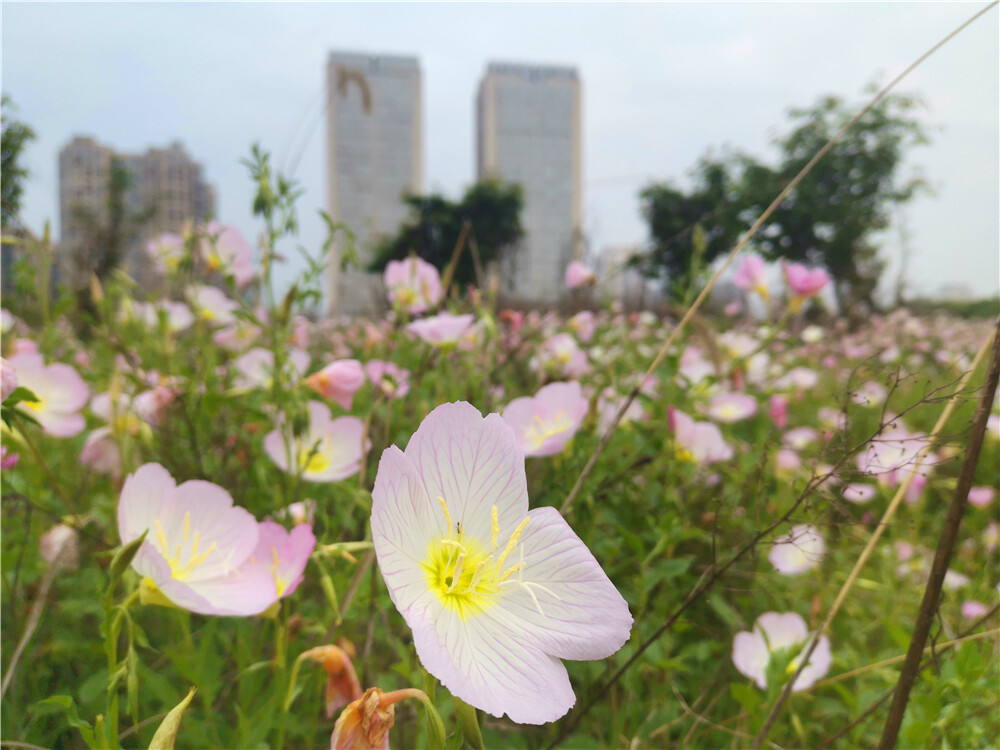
x=891 y=456
x=799 y=438
x=338 y=381
x=981 y=496
x=441 y=330
x=211 y=304
x=804 y=283
x=545 y=423
x=225 y=249
x=413 y=284
x=859 y=493
x=752 y=275
x=237 y=336
x=167 y=250
x=328 y=451
x=787 y=460
x=779 y=411
x=8 y=379
x=60 y=391
x=25 y=346
x=973 y=610
x=8 y=459
x=991 y=535
x=609 y=402
x=583 y=324
x=693 y=367
x=496 y=595
x=799 y=551
x=561 y=353
x=578 y=274
x=773 y=632
x=700 y=442
x=178 y=314
x=255 y=368
x=101 y=452
x=150 y=405
x=732 y=407
x=196 y=555
x=283 y=554
x=391 y=380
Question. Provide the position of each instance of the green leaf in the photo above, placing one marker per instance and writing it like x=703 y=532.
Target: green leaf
x=123 y=558
x=746 y=696
x=166 y=734
x=468 y=720
x=67 y=705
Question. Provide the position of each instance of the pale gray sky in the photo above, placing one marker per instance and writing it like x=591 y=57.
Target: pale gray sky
x=662 y=84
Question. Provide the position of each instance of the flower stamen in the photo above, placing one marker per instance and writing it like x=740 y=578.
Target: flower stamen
x=447 y=515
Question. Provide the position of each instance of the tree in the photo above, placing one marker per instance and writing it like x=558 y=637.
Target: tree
x=493 y=209
x=832 y=215
x=829 y=219
x=15 y=135
x=673 y=214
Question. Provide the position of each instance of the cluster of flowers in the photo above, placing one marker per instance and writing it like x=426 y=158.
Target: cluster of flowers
x=496 y=594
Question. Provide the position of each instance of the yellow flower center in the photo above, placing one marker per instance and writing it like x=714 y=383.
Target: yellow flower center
x=312 y=461
x=35 y=406
x=183 y=570
x=465 y=577
x=683 y=454
x=539 y=431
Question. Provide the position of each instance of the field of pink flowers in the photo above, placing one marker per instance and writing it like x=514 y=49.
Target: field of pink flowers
x=228 y=525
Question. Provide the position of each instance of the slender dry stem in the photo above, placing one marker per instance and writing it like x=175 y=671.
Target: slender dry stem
x=876 y=535
x=943 y=554
x=606 y=438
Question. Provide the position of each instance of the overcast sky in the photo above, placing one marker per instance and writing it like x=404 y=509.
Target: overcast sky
x=662 y=83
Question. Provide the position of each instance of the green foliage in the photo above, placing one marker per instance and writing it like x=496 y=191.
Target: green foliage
x=673 y=214
x=491 y=207
x=15 y=136
x=985 y=308
x=829 y=219
x=103 y=667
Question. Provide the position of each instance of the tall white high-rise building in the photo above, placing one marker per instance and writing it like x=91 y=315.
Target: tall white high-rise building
x=374 y=154
x=529 y=131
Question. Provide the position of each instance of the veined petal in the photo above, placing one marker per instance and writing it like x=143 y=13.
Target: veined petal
x=750 y=655
x=199 y=518
x=818 y=666
x=141 y=496
x=404 y=520
x=247 y=591
x=489 y=666
x=474 y=464
x=782 y=630
x=566 y=604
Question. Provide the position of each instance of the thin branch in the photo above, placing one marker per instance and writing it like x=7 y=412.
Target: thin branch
x=606 y=438
x=888 y=693
x=35 y=615
x=943 y=554
x=883 y=524
x=699 y=719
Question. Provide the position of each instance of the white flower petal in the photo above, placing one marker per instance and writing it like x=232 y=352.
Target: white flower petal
x=404 y=521
x=567 y=604
x=489 y=666
x=473 y=463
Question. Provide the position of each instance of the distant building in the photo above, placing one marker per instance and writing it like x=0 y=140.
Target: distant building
x=374 y=154
x=164 y=180
x=620 y=282
x=529 y=131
